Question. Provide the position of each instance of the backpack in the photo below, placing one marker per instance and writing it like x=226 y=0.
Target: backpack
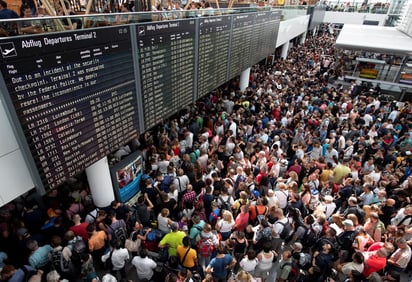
x=119 y=234
x=79 y=247
x=260 y=217
x=225 y=205
x=205 y=247
x=309 y=238
x=294 y=272
x=167 y=181
x=59 y=263
x=380 y=225
x=345 y=239
x=286 y=231
x=154 y=235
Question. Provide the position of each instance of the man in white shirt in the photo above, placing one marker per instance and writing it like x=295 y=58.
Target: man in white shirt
x=188 y=138
x=118 y=256
x=330 y=152
x=282 y=195
x=144 y=265
x=181 y=181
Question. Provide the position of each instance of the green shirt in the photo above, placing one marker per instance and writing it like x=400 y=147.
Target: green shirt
x=173 y=239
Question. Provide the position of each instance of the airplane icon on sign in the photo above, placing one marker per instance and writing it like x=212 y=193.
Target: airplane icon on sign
x=8 y=51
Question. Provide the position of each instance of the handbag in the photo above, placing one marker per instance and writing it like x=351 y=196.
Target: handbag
x=130 y=245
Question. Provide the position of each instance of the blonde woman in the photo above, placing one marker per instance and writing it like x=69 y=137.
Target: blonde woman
x=244 y=276
x=225 y=225
x=163 y=221
x=354 y=219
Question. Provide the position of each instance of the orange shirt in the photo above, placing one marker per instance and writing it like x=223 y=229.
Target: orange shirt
x=97 y=241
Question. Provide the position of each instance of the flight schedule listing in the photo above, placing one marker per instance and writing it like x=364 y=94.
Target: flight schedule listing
x=214 y=40
x=265 y=34
x=74 y=94
x=166 y=52
x=242 y=31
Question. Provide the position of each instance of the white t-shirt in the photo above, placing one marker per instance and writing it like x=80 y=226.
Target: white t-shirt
x=282 y=197
x=144 y=267
x=181 y=182
x=248 y=265
x=225 y=226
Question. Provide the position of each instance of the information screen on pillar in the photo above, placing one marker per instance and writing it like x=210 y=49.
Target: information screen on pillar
x=166 y=52
x=74 y=95
x=242 y=31
x=214 y=40
x=126 y=177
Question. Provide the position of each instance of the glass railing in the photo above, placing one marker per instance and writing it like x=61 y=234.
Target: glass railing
x=348 y=7
x=290 y=12
x=43 y=23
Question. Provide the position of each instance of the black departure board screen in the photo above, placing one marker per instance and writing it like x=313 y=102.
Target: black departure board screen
x=214 y=42
x=242 y=31
x=74 y=94
x=264 y=36
x=167 y=64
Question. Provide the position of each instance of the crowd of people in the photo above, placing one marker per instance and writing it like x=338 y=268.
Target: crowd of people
x=292 y=176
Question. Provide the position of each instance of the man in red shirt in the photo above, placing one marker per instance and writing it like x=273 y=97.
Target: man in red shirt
x=375 y=262
x=79 y=228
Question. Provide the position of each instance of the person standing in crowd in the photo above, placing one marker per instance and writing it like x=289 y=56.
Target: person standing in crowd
x=220 y=264
x=119 y=256
x=144 y=265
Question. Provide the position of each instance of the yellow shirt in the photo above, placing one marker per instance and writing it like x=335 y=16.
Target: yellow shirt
x=190 y=259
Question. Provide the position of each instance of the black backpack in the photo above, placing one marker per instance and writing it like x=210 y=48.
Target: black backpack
x=225 y=205
x=286 y=231
x=309 y=238
x=345 y=240
x=59 y=263
x=119 y=233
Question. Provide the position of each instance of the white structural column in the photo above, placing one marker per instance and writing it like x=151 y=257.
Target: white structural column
x=285 y=50
x=244 y=79
x=303 y=38
x=98 y=175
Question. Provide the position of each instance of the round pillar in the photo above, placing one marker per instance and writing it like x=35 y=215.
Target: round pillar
x=244 y=79
x=100 y=182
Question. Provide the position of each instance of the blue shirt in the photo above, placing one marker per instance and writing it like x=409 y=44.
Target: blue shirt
x=19 y=276
x=40 y=257
x=8 y=14
x=219 y=266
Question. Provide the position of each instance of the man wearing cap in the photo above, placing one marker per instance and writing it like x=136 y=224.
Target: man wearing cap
x=345 y=240
x=172 y=239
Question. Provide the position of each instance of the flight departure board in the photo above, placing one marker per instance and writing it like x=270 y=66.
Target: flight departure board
x=214 y=40
x=74 y=94
x=264 y=35
x=242 y=31
x=167 y=65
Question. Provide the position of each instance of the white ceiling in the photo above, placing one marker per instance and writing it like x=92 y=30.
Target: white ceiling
x=378 y=39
